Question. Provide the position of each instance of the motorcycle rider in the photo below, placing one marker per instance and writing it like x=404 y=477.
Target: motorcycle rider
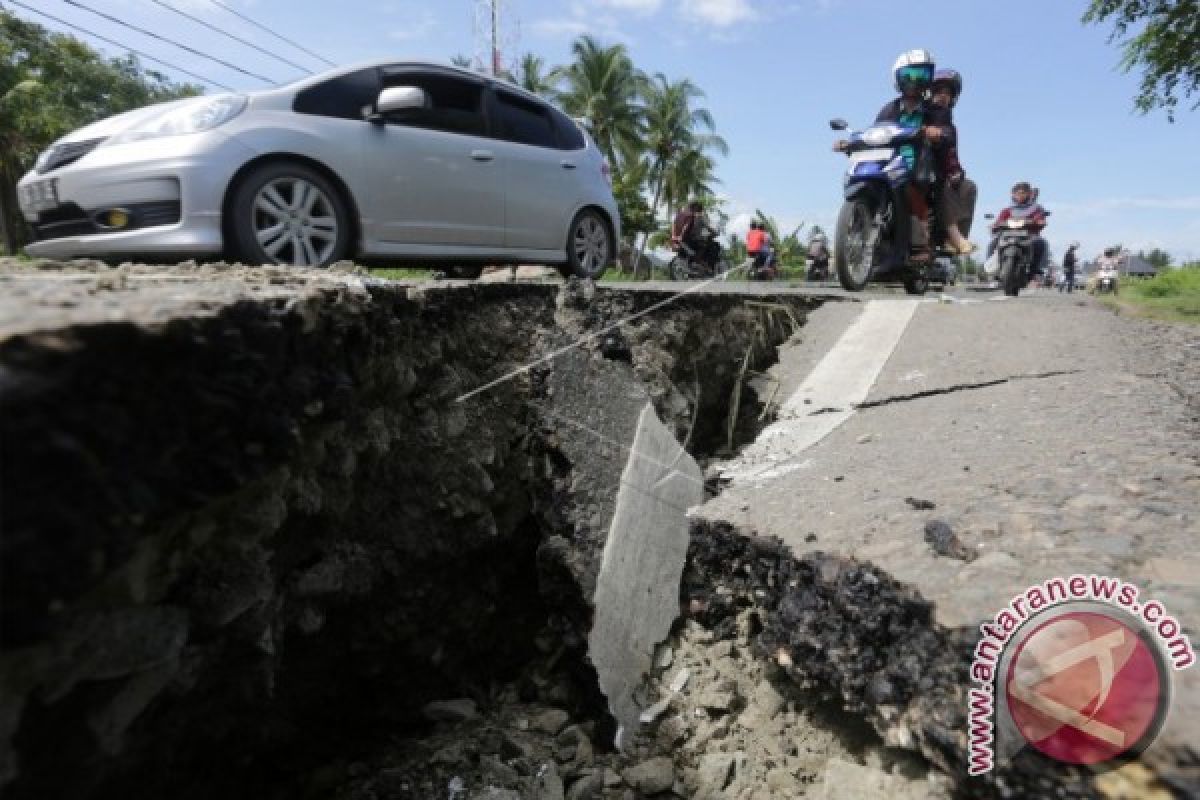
x=818 y=257
x=1106 y=267
x=913 y=73
x=691 y=231
x=956 y=192
x=756 y=245
x=1023 y=207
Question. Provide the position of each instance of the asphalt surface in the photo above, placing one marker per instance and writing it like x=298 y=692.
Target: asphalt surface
x=1053 y=437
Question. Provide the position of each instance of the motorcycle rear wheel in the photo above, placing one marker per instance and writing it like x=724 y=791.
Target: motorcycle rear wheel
x=677 y=269
x=851 y=256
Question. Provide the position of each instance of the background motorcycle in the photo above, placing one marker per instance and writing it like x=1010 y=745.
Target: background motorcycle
x=874 y=187
x=1014 y=252
x=688 y=266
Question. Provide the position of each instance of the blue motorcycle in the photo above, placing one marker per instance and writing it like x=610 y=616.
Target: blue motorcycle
x=876 y=182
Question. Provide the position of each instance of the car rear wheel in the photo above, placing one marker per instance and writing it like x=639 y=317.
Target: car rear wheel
x=286 y=213
x=589 y=245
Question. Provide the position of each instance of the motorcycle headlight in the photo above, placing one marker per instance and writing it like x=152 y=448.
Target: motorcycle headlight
x=201 y=115
x=877 y=136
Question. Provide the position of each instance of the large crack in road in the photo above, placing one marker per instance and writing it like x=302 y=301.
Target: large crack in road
x=268 y=540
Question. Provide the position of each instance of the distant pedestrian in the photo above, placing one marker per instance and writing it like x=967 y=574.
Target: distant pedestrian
x=1069 y=268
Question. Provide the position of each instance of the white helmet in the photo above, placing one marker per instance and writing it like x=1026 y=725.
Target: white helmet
x=913 y=66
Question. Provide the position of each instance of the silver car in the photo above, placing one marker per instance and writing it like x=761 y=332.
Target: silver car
x=411 y=162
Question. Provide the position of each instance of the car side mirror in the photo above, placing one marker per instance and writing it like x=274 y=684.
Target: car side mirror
x=839 y=124
x=399 y=98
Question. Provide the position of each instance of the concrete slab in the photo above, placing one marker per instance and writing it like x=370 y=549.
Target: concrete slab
x=637 y=589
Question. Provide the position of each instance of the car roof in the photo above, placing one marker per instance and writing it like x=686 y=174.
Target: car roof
x=419 y=63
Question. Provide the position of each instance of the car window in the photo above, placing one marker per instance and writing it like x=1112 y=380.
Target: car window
x=524 y=121
x=345 y=96
x=455 y=104
x=569 y=135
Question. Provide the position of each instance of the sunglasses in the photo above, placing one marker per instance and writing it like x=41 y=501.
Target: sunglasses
x=915 y=74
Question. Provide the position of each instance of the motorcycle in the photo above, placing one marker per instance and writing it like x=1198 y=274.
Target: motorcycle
x=1014 y=253
x=874 y=186
x=1106 y=281
x=818 y=270
x=687 y=265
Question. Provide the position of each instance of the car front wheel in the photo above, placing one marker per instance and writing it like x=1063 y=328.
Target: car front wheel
x=589 y=245
x=286 y=213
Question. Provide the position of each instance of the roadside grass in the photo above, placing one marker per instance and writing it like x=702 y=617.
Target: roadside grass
x=1172 y=296
x=398 y=274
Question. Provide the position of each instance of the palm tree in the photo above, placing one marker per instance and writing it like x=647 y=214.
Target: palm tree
x=692 y=176
x=603 y=87
x=677 y=136
x=533 y=76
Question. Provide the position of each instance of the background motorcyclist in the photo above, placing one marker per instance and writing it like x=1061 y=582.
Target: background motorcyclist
x=1106 y=267
x=692 y=230
x=956 y=193
x=818 y=258
x=1023 y=207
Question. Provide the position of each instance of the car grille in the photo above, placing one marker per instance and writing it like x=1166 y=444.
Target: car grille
x=62 y=154
x=71 y=220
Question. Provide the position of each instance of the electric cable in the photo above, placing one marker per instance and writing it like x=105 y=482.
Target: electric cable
x=211 y=27
x=280 y=37
x=146 y=56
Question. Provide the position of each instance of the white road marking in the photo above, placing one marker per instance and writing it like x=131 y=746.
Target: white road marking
x=839 y=382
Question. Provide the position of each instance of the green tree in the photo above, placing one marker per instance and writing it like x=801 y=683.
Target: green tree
x=1165 y=46
x=51 y=84
x=604 y=89
x=676 y=131
x=1159 y=259
x=533 y=76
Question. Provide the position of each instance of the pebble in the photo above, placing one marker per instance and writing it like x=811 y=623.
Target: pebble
x=653 y=776
x=458 y=710
x=551 y=721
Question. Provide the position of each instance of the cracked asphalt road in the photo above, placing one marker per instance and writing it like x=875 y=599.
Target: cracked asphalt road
x=1053 y=437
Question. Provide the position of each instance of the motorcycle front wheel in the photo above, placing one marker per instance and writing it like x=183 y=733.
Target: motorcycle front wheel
x=1010 y=268
x=677 y=269
x=852 y=257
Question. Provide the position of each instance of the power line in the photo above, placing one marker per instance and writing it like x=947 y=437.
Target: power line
x=262 y=50
x=154 y=35
x=241 y=16
x=146 y=56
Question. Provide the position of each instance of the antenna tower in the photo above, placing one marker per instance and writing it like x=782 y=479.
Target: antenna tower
x=496 y=36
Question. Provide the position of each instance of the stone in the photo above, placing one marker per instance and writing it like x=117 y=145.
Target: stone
x=551 y=721
x=649 y=777
x=587 y=787
x=721 y=700
x=945 y=542
x=715 y=772
x=548 y=784
x=495 y=793
x=458 y=710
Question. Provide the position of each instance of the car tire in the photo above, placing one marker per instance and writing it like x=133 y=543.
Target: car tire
x=589 y=245
x=288 y=213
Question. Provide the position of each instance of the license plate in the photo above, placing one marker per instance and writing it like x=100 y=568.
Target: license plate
x=40 y=195
x=878 y=154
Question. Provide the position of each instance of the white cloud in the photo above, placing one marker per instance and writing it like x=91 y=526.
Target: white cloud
x=637 y=6
x=718 y=13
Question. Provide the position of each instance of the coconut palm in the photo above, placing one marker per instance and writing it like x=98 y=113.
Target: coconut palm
x=693 y=175
x=603 y=87
x=533 y=76
x=676 y=133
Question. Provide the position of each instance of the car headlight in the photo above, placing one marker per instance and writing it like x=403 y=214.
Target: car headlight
x=195 y=117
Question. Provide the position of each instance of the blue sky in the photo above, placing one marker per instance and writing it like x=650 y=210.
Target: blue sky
x=1044 y=98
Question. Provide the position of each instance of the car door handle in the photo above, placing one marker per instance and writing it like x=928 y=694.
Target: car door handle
x=482 y=155
x=568 y=164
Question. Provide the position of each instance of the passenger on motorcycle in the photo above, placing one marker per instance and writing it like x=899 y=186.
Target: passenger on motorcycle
x=956 y=192
x=1024 y=207
x=913 y=75
x=690 y=234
